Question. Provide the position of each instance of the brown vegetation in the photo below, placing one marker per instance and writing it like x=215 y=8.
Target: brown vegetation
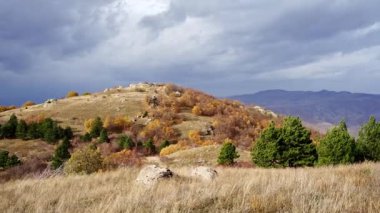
x=6 y=108
x=352 y=188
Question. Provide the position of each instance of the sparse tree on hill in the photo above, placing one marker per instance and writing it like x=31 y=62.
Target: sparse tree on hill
x=96 y=128
x=71 y=94
x=337 y=147
x=61 y=154
x=9 y=128
x=84 y=161
x=228 y=154
x=149 y=147
x=369 y=141
x=103 y=138
x=22 y=130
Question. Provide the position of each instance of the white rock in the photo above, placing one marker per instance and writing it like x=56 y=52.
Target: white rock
x=204 y=173
x=149 y=175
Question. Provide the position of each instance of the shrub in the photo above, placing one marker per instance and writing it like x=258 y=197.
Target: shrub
x=86 y=93
x=122 y=158
x=22 y=130
x=164 y=144
x=9 y=128
x=125 y=142
x=6 y=108
x=71 y=94
x=149 y=147
x=337 y=147
x=88 y=124
x=227 y=154
x=369 y=141
x=7 y=161
x=86 y=137
x=172 y=149
x=61 y=154
x=96 y=128
x=117 y=124
x=288 y=146
x=84 y=161
x=103 y=138
x=28 y=103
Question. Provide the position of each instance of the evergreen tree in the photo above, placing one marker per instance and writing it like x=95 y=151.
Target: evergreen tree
x=7 y=161
x=164 y=144
x=96 y=128
x=288 y=146
x=33 y=131
x=295 y=145
x=103 y=138
x=61 y=154
x=22 y=130
x=227 y=154
x=265 y=152
x=126 y=142
x=149 y=147
x=9 y=128
x=1 y=132
x=337 y=147
x=86 y=137
x=68 y=133
x=369 y=141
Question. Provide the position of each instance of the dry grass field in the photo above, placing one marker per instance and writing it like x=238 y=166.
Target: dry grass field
x=354 y=188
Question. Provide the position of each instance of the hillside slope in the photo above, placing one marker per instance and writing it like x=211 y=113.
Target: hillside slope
x=320 y=109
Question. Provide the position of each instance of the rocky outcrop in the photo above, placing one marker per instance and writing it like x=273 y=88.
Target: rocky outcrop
x=149 y=175
x=204 y=173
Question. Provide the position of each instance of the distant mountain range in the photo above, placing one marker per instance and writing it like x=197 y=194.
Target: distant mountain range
x=319 y=109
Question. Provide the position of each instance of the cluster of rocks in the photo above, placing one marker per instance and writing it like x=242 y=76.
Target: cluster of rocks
x=265 y=111
x=151 y=174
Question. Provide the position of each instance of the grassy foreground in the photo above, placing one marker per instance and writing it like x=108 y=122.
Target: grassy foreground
x=354 y=188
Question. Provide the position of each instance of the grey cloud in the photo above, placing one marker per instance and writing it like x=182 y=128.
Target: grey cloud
x=220 y=46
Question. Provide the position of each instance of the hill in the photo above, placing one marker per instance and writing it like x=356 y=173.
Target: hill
x=320 y=109
x=184 y=117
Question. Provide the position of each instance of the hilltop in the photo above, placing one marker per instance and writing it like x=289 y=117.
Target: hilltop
x=321 y=109
x=184 y=117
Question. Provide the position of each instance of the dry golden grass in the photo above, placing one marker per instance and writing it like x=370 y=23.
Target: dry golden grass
x=354 y=188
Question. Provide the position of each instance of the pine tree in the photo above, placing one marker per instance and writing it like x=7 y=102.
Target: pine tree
x=164 y=144
x=103 y=138
x=149 y=147
x=125 y=142
x=96 y=128
x=369 y=141
x=9 y=128
x=295 y=145
x=337 y=147
x=288 y=146
x=61 y=154
x=265 y=152
x=227 y=154
x=22 y=130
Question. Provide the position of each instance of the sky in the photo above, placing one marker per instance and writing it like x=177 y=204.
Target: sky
x=223 y=47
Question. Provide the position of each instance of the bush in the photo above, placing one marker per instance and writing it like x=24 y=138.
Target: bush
x=96 y=128
x=22 y=130
x=227 y=154
x=28 y=104
x=164 y=144
x=288 y=146
x=86 y=93
x=149 y=147
x=86 y=137
x=6 y=108
x=103 y=138
x=84 y=161
x=369 y=141
x=125 y=142
x=9 y=128
x=337 y=147
x=7 y=161
x=122 y=158
x=71 y=94
x=61 y=154
x=172 y=149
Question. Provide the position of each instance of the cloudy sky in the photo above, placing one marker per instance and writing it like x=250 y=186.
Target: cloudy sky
x=224 y=47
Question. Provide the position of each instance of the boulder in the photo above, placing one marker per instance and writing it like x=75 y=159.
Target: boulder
x=150 y=174
x=204 y=173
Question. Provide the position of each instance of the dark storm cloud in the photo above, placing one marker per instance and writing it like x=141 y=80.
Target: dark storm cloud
x=221 y=46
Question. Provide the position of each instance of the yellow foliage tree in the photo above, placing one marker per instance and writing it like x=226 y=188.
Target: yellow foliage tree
x=71 y=94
